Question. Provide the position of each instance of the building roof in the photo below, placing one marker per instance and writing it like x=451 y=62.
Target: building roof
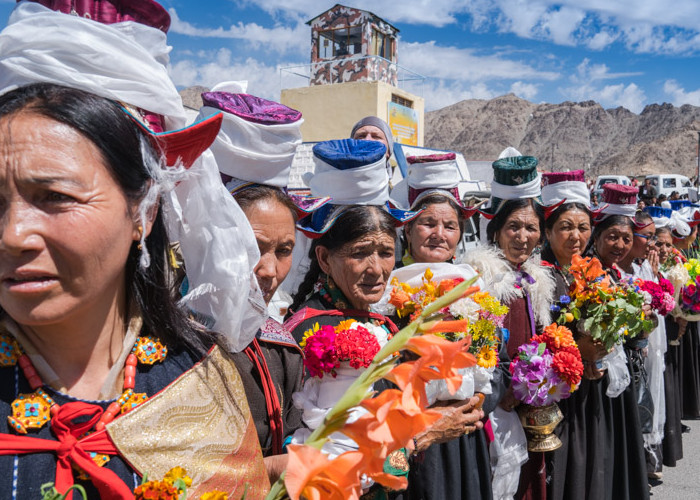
x=354 y=8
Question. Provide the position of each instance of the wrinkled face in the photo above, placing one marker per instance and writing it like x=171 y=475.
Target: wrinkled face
x=433 y=235
x=664 y=245
x=360 y=268
x=273 y=226
x=372 y=133
x=613 y=244
x=644 y=238
x=65 y=225
x=569 y=235
x=519 y=235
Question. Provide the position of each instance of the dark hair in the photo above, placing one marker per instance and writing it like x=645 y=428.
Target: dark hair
x=608 y=222
x=351 y=225
x=510 y=206
x=247 y=197
x=120 y=143
x=561 y=210
x=433 y=199
x=664 y=229
x=642 y=217
x=547 y=252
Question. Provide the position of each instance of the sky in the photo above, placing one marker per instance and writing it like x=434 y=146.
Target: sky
x=628 y=53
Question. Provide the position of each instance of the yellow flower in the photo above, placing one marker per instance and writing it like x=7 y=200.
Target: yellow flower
x=346 y=324
x=309 y=333
x=214 y=495
x=428 y=274
x=177 y=473
x=486 y=357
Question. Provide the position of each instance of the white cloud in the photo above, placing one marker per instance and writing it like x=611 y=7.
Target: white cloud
x=210 y=68
x=280 y=39
x=679 y=96
x=609 y=96
x=525 y=90
x=587 y=72
x=441 y=62
x=441 y=93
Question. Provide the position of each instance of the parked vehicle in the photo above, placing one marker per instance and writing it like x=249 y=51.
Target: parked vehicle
x=608 y=179
x=668 y=183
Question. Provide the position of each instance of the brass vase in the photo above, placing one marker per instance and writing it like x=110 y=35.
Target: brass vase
x=539 y=423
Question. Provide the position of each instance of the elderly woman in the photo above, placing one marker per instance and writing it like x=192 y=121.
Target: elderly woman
x=672 y=444
x=97 y=358
x=456 y=468
x=254 y=152
x=624 y=469
x=352 y=257
x=592 y=431
x=513 y=273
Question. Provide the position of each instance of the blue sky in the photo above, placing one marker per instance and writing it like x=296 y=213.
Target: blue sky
x=618 y=52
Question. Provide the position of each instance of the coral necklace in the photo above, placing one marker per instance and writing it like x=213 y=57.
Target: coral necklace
x=33 y=411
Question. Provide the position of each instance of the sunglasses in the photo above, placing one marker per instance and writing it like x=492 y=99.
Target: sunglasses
x=649 y=237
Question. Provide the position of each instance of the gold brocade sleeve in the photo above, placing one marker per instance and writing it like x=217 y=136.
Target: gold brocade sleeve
x=200 y=422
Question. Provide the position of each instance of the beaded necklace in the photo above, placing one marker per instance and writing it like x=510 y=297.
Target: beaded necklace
x=33 y=411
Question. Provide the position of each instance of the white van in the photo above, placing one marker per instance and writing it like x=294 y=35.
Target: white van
x=609 y=179
x=668 y=183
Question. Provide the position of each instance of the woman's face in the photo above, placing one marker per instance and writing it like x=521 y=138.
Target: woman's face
x=273 y=226
x=433 y=236
x=664 y=245
x=643 y=239
x=569 y=235
x=372 y=133
x=614 y=243
x=361 y=268
x=519 y=235
x=66 y=226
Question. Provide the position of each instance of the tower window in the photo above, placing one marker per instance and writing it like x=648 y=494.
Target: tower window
x=340 y=42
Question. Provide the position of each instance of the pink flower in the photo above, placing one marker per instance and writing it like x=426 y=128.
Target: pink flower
x=319 y=353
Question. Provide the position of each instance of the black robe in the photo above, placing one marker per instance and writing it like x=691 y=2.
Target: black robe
x=602 y=452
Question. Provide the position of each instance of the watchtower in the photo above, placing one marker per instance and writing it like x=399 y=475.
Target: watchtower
x=353 y=73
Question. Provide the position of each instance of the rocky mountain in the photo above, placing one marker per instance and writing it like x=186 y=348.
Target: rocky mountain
x=571 y=135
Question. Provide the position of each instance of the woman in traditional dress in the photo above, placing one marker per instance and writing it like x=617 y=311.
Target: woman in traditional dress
x=584 y=467
x=458 y=468
x=623 y=471
x=104 y=378
x=254 y=152
x=512 y=271
x=352 y=257
x=672 y=444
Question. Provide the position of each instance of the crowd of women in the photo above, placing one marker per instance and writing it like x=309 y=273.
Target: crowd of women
x=138 y=256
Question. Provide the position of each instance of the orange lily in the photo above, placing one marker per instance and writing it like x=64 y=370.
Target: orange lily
x=312 y=475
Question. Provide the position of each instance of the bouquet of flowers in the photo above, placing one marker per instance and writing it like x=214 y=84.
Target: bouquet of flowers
x=548 y=368
x=610 y=313
x=334 y=357
x=390 y=419
x=484 y=315
x=685 y=278
x=658 y=295
x=674 y=257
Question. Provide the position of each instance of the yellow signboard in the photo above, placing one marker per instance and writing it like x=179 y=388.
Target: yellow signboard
x=403 y=122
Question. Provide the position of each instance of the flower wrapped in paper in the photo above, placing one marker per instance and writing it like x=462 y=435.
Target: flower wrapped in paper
x=415 y=286
x=685 y=278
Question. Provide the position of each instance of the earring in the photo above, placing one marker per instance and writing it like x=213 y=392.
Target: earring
x=140 y=229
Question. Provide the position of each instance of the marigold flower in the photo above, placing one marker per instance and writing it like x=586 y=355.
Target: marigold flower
x=214 y=495
x=156 y=490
